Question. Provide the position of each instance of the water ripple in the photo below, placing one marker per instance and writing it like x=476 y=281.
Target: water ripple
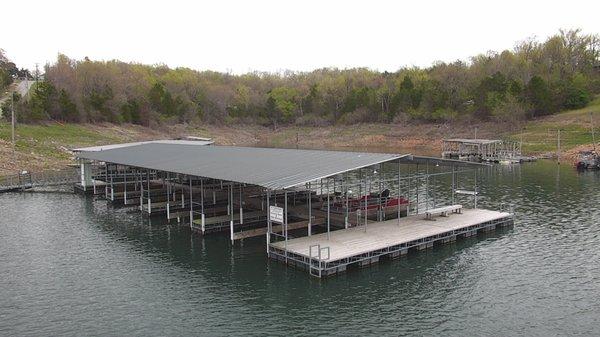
x=73 y=267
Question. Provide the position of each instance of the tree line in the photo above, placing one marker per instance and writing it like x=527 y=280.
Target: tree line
x=9 y=72
x=533 y=79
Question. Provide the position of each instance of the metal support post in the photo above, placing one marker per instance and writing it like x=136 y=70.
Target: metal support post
x=418 y=185
x=105 y=180
x=366 y=199
x=268 y=220
x=125 y=188
x=309 y=210
x=409 y=196
x=285 y=215
x=149 y=201
x=230 y=206
x=475 y=190
x=379 y=187
x=328 y=212
x=141 y=191
x=182 y=193
x=241 y=208
x=202 y=225
x=453 y=183
x=427 y=185
x=433 y=193
x=191 y=203
x=168 y=183
x=345 y=183
x=398 y=192
x=112 y=188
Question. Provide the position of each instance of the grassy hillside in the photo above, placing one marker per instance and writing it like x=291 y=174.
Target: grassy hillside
x=540 y=136
x=47 y=140
x=44 y=147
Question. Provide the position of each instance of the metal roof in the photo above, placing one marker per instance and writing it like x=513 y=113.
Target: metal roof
x=410 y=159
x=473 y=141
x=192 y=141
x=267 y=167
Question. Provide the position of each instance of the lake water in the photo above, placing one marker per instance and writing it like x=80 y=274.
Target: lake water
x=72 y=266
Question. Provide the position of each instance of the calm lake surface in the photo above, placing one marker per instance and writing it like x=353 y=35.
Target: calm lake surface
x=73 y=266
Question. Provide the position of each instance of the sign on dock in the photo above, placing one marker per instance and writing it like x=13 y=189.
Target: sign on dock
x=276 y=214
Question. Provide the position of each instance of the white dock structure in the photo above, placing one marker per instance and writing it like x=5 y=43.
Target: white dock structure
x=324 y=256
x=319 y=210
x=486 y=150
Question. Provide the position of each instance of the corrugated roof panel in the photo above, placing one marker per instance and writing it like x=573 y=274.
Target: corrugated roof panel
x=198 y=141
x=410 y=159
x=267 y=167
x=473 y=141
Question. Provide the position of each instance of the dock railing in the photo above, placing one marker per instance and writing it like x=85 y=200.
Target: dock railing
x=26 y=179
x=21 y=180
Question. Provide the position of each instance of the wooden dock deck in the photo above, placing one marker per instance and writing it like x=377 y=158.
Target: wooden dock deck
x=322 y=256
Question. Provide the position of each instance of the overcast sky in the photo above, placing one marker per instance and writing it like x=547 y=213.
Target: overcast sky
x=242 y=36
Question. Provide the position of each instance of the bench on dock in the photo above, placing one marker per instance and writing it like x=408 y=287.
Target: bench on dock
x=465 y=192
x=443 y=211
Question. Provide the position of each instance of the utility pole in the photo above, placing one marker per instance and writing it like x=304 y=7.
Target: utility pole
x=558 y=148
x=593 y=134
x=12 y=109
x=521 y=143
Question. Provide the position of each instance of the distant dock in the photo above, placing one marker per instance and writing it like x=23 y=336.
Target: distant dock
x=483 y=150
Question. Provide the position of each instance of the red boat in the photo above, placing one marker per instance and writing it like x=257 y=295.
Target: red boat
x=373 y=200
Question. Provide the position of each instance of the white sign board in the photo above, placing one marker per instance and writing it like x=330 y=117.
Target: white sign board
x=276 y=214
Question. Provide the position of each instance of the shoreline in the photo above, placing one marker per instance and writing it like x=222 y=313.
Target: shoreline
x=46 y=146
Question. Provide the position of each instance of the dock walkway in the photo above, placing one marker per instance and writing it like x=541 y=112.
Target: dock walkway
x=322 y=256
x=26 y=180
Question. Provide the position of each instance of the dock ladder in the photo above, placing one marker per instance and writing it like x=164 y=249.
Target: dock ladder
x=315 y=253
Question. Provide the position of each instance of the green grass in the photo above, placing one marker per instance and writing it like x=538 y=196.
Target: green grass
x=286 y=136
x=540 y=135
x=50 y=139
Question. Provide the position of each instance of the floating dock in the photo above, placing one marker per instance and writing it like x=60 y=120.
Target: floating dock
x=363 y=206
x=26 y=180
x=484 y=150
x=325 y=255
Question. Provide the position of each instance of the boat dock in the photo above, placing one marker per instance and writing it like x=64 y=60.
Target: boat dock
x=320 y=210
x=484 y=150
x=324 y=256
x=26 y=180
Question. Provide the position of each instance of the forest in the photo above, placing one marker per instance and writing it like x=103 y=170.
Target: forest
x=9 y=71
x=535 y=78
